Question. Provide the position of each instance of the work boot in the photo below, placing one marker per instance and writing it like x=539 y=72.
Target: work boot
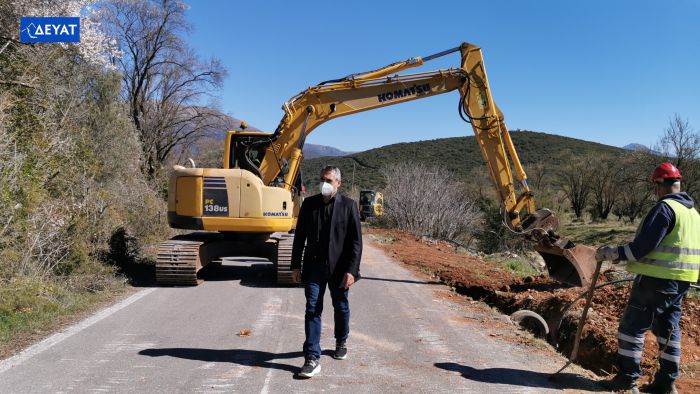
x=341 y=351
x=311 y=367
x=658 y=387
x=620 y=384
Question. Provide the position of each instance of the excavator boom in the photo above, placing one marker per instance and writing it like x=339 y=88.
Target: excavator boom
x=277 y=157
x=566 y=262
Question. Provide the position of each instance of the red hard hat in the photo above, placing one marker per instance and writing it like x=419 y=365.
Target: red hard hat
x=665 y=171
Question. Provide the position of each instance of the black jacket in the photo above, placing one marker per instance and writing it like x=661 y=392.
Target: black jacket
x=345 y=248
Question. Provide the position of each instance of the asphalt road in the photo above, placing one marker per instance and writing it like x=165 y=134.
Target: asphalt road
x=405 y=337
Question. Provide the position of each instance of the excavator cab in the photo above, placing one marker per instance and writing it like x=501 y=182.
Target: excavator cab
x=245 y=150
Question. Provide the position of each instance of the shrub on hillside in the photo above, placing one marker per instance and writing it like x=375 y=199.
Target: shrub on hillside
x=71 y=172
x=428 y=201
x=495 y=235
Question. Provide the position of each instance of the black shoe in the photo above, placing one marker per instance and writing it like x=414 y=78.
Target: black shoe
x=341 y=351
x=660 y=388
x=620 y=383
x=311 y=367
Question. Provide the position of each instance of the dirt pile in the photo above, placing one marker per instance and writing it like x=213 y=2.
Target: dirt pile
x=492 y=283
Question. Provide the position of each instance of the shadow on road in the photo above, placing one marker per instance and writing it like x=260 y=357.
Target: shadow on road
x=252 y=358
x=139 y=274
x=252 y=273
x=403 y=281
x=519 y=377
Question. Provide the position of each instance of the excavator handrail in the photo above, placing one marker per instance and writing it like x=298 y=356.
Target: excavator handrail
x=393 y=67
x=352 y=84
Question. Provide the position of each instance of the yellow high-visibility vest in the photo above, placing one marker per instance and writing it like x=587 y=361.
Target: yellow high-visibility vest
x=678 y=255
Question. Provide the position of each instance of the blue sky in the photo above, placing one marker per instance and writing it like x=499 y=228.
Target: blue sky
x=612 y=72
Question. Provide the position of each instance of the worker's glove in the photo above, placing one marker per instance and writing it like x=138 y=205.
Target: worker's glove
x=607 y=253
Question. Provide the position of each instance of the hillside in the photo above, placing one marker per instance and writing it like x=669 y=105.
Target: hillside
x=460 y=155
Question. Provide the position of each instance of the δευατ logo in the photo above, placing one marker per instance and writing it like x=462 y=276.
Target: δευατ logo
x=49 y=29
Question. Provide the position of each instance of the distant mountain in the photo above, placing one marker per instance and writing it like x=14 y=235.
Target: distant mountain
x=460 y=155
x=635 y=146
x=312 y=151
x=640 y=147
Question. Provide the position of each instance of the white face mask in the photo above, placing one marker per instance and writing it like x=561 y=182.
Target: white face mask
x=326 y=189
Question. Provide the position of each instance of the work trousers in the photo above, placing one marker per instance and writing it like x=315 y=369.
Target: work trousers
x=653 y=304
x=315 y=289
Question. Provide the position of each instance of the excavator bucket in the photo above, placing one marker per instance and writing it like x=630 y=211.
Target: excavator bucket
x=566 y=262
x=570 y=264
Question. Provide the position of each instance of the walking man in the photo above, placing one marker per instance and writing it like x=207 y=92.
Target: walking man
x=665 y=255
x=328 y=234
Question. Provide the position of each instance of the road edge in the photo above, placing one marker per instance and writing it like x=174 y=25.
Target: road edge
x=59 y=337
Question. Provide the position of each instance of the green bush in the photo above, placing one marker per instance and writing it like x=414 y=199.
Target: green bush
x=519 y=266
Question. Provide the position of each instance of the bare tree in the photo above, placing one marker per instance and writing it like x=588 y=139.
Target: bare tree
x=636 y=192
x=165 y=82
x=634 y=202
x=605 y=180
x=680 y=144
x=575 y=181
x=679 y=141
x=538 y=173
x=427 y=201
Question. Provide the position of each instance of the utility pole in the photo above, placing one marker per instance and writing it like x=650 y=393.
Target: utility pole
x=353 y=176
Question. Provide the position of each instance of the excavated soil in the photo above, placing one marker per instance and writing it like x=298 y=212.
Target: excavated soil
x=490 y=282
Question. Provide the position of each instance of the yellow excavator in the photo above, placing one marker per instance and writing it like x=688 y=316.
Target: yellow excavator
x=371 y=204
x=244 y=206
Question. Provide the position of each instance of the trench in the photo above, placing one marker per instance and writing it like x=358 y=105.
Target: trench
x=489 y=282
x=597 y=348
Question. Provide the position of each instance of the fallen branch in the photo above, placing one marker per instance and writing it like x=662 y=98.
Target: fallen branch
x=17 y=83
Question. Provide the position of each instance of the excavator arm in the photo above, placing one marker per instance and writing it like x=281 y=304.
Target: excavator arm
x=355 y=93
x=375 y=89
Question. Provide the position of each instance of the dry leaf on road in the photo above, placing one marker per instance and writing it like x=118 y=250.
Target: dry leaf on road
x=245 y=333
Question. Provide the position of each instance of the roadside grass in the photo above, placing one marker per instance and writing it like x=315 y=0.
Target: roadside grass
x=382 y=238
x=32 y=307
x=519 y=266
x=592 y=233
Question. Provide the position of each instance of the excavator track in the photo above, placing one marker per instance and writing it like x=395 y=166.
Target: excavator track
x=283 y=263
x=178 y=262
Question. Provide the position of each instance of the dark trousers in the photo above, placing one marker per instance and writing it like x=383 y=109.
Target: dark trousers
x=654 y=304
x=315 y=289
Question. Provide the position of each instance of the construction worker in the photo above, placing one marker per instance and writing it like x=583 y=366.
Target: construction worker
x=665 y=255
